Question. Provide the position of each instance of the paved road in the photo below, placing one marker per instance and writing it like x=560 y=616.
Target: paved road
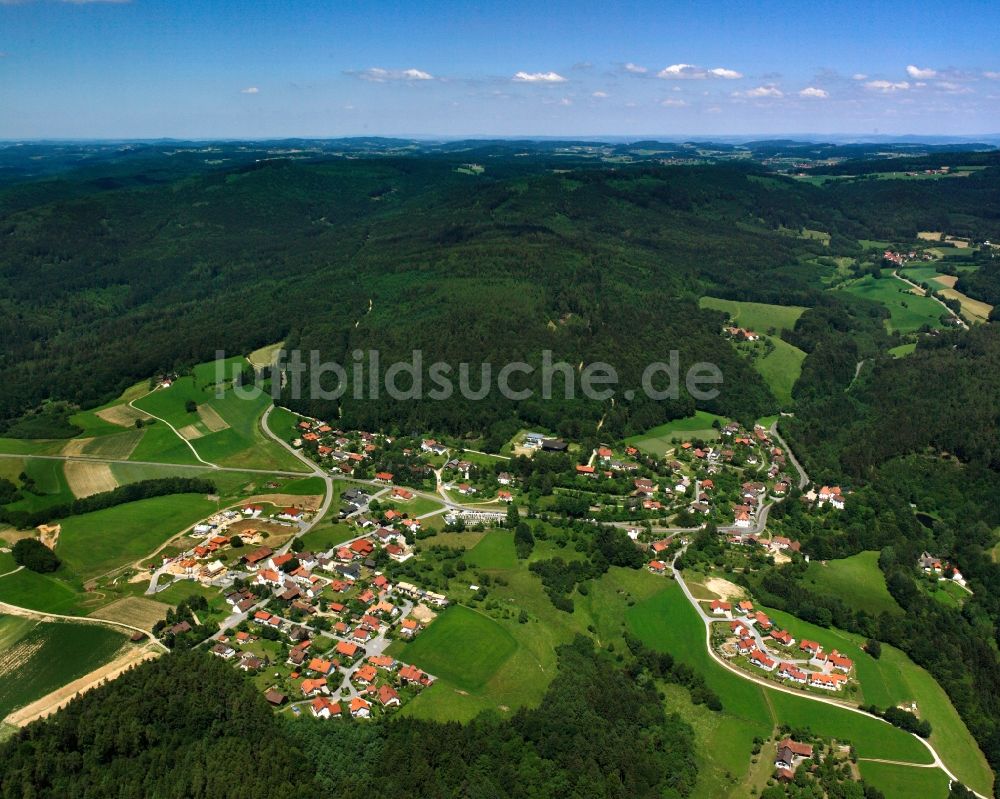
x=951 y=313
x=707 y=619
x=176 y=432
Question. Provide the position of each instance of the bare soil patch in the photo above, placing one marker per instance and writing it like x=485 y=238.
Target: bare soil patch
x=423 y=614
x=310 y=502
x=724 y=588
x=211 y=419
x=948 y=281
x=52 y=702
x=48 y=534
x=85 y=479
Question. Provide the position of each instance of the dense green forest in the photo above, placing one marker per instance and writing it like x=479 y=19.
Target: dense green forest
x=98 y=278
x=188 y=726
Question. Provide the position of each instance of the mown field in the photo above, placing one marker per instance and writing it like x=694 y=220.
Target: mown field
x=757 y=316
x=659 y=439
x=907 y=311
x=36 y=658
x=857 y=580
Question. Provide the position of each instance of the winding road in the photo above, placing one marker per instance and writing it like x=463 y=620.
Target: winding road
x=773 y=686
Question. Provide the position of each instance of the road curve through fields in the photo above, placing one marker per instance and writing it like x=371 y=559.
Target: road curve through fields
x=937 y=762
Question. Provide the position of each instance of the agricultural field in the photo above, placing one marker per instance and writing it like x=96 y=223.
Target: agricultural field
x=908 y=312
x=224 y=428
x=659 y=440
x=95 y=543
x=857 y=580
x=134 y=610
x=43 y=592
x=265 y=356
x=39 y=657
x=975 y=311
x=86 y=479
x=758 y=316
x=667 y=622
x=780 y=367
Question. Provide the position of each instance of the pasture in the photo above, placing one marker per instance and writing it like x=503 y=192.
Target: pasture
x=907 y=311
x=780 y=368
x=658 y=440
x=857 y=580
x=95 y=543
x=905 y=782
x=758 y=316
x=462 y=646
x=37 y=658
x=494 y=551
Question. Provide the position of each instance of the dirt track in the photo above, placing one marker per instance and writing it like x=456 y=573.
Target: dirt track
x=52 y=702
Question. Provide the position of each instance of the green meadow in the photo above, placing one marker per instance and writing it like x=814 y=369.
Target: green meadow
x=907 y=311
x=462 y=646
x=894 y=679
x=658 y=440
x=36 y=658
x=667 y=622
x=94 y=543
x=782 y=366
x=857 y=580
x=757 y=316
x=238 y=441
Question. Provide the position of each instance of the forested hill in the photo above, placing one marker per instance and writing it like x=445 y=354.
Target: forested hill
x=103 y=283
x=188 y=725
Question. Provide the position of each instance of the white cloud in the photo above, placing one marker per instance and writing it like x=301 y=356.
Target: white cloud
x=812 y=91
x=917 y=72
x=859 y=76
x=600 y=95
x=887 y=86
x=379 y=75
x=761 y=91
x=672 y=102
x=952 y=88
x=635 y=69
x=565 y=101
x=682 y=71
x=539 y=77
x=250 y=90
x=991 y=75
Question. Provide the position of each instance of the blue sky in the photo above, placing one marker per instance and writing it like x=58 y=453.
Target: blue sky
x=258 y=69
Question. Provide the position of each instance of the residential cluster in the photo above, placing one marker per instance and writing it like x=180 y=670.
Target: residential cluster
x=751 y=638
